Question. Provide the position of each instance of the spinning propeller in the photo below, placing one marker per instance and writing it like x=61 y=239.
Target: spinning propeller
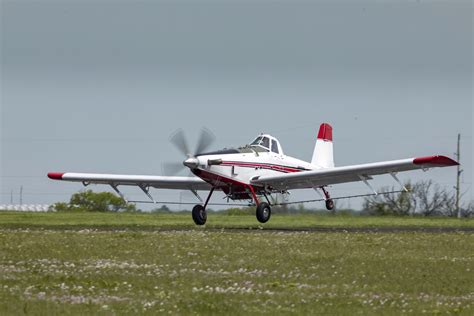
x=178 y=139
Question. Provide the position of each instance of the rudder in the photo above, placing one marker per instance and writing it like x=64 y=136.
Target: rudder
x=323 y=155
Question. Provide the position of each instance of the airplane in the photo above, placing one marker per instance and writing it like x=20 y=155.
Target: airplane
x=256 y=171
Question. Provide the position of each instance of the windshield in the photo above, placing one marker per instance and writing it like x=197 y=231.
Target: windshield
x=265 y=142
x=256 y=141
x=261 y=142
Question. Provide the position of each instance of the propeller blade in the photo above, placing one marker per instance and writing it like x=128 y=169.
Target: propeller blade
x=179 y=141
x=205 y=140
x=172 y=168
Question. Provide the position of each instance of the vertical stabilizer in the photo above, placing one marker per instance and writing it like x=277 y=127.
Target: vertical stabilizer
x=323 y=151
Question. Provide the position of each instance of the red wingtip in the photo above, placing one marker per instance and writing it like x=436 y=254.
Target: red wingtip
x=325 y=132
x=55 y=175
x=440 y=161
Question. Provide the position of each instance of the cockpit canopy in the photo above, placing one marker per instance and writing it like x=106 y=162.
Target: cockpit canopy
x=267 y=143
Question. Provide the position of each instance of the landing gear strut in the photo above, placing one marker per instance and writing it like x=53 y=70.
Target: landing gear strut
x=199 y=211
x=329 y=201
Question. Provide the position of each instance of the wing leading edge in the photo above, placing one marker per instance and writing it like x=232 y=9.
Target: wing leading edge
x=159 y=182
x=323 y=177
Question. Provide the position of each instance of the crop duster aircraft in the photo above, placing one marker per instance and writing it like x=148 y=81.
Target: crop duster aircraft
x=256 y=171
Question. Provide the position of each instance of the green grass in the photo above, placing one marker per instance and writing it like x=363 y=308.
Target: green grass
x=68 y=263
x=215 y=220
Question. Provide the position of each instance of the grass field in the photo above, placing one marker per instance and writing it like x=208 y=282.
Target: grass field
x=92 y=263
x=146 y=221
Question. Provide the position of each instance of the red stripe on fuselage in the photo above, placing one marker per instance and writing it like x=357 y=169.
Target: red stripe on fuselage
x=274 y=167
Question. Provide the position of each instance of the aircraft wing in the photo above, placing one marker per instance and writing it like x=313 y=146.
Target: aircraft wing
x=363 y=172
x=159 y=182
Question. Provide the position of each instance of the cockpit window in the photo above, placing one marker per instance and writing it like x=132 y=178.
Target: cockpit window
x=275 y=147
x=256 y=141
x=261 y=144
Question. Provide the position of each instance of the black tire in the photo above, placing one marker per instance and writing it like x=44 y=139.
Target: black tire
x=199 y=215
x=264 y=212
x=329 y=204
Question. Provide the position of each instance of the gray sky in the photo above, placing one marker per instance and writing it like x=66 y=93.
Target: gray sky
x=98 y=86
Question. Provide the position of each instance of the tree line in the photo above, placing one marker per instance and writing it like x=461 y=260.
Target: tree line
x=424 y=198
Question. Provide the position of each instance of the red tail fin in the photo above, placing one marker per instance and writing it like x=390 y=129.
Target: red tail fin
x=323 y=151
x=325 y=132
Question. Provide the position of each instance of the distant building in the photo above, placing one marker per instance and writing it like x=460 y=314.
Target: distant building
x=25 y=207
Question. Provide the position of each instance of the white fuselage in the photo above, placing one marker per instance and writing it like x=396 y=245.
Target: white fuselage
x=233 y=172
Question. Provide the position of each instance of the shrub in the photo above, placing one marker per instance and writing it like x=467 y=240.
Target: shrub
x=90 y=201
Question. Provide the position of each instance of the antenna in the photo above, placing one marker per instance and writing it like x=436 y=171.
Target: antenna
x=21 y=195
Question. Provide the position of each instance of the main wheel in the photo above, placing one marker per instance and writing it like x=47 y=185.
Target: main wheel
x=329 y=204
x=199 y=215
x=263 y=212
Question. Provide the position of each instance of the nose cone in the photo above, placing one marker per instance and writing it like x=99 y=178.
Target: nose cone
x=191 y=163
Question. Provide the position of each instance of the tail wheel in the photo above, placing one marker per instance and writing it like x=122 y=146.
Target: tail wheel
x=199 y=215
x=264 y=212
x=329 y=204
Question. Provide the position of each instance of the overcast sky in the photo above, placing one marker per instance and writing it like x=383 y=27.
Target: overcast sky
x=98 y=86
